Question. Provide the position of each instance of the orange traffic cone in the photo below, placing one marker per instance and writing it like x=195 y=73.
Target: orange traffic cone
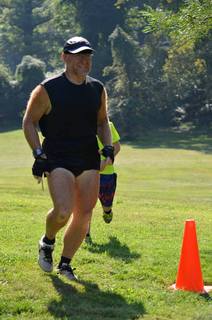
x=189 y=276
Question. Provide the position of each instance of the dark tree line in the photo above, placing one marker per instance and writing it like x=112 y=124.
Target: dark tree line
x=153 y=56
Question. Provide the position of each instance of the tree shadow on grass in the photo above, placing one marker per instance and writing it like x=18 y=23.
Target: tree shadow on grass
x=115 y=249
x=187 y=140
x=85 y=301
x=10 y=127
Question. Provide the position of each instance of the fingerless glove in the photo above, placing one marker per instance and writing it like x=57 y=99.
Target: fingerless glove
x=108 y=151
x=40 y=165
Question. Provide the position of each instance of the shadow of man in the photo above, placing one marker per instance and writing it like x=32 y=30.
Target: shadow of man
x=85 y=301
x=115 y=249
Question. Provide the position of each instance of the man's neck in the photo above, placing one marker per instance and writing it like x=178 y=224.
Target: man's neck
x=76 y=79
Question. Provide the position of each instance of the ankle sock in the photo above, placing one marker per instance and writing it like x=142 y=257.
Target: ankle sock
x=107 y=212
x=48 y=241
x=64 y=260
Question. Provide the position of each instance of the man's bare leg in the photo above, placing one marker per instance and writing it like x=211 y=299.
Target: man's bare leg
x=87 y=188
x=61 y=187
x=62 y=190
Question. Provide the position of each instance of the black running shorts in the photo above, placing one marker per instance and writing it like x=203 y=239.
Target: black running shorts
x=76 y=155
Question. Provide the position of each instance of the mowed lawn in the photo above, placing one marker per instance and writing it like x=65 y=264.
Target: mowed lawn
x=163 y=179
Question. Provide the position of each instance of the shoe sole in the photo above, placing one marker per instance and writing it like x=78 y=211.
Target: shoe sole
x=74 y=278
x=107 y=221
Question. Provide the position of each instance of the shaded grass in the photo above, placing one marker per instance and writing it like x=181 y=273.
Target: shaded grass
x=126 y=273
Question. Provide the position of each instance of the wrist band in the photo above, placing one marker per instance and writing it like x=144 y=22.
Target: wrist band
x=37 y=152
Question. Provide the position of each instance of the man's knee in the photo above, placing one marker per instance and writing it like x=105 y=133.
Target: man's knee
x=62 y=215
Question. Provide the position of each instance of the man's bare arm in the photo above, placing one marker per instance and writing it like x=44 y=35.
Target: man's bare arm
x=37 y=106
x=103 y=130
x=117 y=147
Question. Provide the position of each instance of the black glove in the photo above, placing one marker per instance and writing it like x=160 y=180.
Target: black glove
x=108 y=151
x=40 y=165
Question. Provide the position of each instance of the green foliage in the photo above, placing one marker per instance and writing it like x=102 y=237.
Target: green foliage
x=190 y=90
x=123 y=86
x=4 y=74
x=154 y=56
x=98 y=20
x=50 y=35
x=37 y=28
x=32 y=28
x=137 y=89
x=6 y=94
x=18 y=20
x=137 y=12
x=29 y=73
x=191 y=23
x=184 y=93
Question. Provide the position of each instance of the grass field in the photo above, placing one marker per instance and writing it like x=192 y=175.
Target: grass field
x=164 y=179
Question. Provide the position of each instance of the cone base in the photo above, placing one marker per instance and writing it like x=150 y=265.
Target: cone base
x=205 y=290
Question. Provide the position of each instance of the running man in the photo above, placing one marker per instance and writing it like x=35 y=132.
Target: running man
x=70 y=109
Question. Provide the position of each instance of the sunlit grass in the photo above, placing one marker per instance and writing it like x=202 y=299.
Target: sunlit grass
x=126 y=273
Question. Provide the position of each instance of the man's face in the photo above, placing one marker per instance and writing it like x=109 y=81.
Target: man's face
x=79 y=63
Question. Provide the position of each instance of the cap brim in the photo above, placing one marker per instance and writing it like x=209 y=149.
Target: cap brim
x=80 y=49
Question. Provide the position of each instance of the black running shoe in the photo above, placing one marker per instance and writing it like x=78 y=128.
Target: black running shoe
x=45 y=260
x=107 y=216
x=67 y=271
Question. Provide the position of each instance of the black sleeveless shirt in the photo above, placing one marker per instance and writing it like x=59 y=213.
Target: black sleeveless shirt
x=74 y=108
x=70 y=128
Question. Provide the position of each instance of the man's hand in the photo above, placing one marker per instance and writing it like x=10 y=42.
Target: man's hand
x=108 y=152
x=40 y=166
